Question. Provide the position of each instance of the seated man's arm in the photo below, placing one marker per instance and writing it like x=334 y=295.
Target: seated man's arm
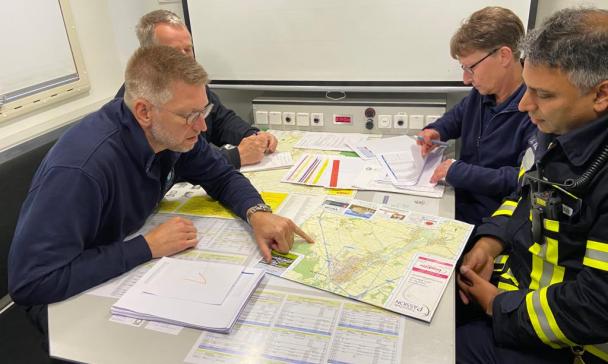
x=225 y=126
x=483 y=180
x=240 y=143
x=206 y=167
x=566 y=312
x=57 y=250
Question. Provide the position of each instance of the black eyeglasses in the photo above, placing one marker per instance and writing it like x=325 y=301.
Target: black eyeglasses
x=193 y=116
x=469 y=69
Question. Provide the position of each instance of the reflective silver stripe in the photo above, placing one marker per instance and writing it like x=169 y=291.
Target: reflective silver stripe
x=547 y=268
x=545 y=279
x=597 y=255
x=542 y=319
x=506 y=208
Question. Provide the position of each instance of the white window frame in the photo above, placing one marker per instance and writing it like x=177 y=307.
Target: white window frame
x=19 y=105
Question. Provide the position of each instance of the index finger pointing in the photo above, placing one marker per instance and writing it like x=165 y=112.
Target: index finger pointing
x=301 y=233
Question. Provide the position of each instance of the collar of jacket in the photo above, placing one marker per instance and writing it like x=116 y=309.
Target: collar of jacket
x=581 y=144
x=512 y=101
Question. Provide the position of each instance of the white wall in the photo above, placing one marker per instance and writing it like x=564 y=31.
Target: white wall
x=107 y=38
x=106 y=35
x=126 y=13
x=548 y=7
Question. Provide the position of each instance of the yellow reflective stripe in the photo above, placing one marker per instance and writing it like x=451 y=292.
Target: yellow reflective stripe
x=552 y=250
x=537 y=265
x=596 y=255
x=551 y=319
x=512 y=285
x=522 y=170
x=504 y=286
x=535 y=249
x=596 y=245
x=595 y=264
x=551 y=225
x=544 y=272
x=501 y=259
x=506 y=208
x=536 y=273
x=558 y=274
x=601 y=350
x=534 y=320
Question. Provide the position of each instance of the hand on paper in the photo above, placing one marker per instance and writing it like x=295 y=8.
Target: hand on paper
x=426 y=145
x=271 y=141
x=441 y=171
x=252 y=148
x=172 y=236
x=274 y=232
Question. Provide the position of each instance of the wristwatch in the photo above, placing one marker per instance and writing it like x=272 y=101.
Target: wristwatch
x=257 y=208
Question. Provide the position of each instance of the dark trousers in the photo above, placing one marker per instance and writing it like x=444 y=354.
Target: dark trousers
x=475 y=344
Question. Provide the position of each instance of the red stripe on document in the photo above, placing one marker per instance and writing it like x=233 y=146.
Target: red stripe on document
x=335 y=169
x=429 y=273
x=436 y=261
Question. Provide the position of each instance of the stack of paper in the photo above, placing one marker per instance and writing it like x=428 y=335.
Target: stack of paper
x=197 y=294
x=396 y=165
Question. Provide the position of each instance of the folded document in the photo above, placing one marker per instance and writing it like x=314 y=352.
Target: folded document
x=190 y=293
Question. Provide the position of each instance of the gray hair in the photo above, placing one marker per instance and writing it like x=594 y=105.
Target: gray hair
x=152 y=70
x=574 y=40
x=145 y=27
x=487 y=29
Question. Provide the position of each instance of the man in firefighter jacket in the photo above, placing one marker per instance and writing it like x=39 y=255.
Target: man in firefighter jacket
x=539 y=267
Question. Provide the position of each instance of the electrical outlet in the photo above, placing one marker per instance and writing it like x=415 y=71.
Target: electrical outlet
x=385 y=121
x=400 y=121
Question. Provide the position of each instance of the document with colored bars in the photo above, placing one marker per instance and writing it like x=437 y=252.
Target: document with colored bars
x=395 y=259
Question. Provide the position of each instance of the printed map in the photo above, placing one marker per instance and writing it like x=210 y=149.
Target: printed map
x=366 y=258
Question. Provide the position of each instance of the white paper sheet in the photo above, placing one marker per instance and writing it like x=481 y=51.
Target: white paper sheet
x=330 y=141
x=271 y=161
x=138 y=304
x=203 y=282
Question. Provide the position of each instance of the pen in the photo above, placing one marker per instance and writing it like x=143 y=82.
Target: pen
x=433 y=141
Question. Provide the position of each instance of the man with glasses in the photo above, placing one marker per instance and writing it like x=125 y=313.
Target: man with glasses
x=493 y=133
x=539 y=266
x=240 y=143
x=106 y=175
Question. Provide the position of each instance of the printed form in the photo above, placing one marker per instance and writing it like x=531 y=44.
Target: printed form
x=299 y=328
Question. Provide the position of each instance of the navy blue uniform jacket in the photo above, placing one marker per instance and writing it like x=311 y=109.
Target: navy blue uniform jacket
x=493 y=140
x=96 y=186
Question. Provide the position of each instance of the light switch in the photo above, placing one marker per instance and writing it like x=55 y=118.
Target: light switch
x=303 y=119
x=261 y=117
x=274 y=118
x=416 y=122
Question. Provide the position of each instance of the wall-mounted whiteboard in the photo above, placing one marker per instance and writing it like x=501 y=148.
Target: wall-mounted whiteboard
x=393 y=42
